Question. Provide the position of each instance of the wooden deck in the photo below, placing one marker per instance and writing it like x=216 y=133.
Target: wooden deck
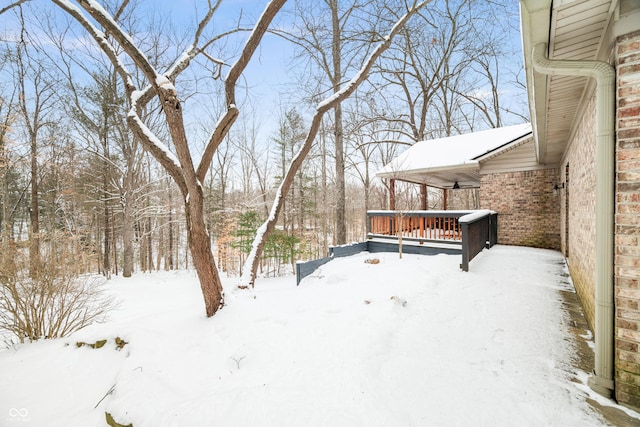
x=466 y=231
x=423 y=232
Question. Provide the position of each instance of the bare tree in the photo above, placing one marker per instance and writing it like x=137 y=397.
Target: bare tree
x=256 y=165
x=443 y=75
x=253 y=260
x=188 y=176
x=35 y=99
x=8 y=109
x=494 y=92
x=424 y=57
x=289 y=137
x=334 y=36
x=219 y=208
x=487 y=103
x=369 y=140
x=95 y=110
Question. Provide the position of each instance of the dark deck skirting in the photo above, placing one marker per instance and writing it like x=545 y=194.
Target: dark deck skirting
x=304 y=269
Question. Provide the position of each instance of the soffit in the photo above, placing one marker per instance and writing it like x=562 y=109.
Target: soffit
x=577 y=29
x=466 y=177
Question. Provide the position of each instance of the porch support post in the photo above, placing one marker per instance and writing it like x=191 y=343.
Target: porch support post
x=444 y=199
x=423 y=196
x=392 y=194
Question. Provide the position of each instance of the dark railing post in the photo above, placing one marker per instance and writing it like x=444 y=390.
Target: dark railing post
x=465 y=246
x=493 y=229
x=477 y=234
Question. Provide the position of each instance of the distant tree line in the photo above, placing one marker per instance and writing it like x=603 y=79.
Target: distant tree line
x=81 y=175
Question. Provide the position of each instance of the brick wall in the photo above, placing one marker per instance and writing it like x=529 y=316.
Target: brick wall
x=578 y=212
x=627 y=221
x=528 y=210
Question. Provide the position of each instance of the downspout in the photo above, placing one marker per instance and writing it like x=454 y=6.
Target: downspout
x=602 y=378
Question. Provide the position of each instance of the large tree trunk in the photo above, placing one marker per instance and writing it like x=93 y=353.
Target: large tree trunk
x=201 y=254
x=197 y=234
x=181 y=168
x=126 y=200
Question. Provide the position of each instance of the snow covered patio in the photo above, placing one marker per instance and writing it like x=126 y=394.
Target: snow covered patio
x=397 y=342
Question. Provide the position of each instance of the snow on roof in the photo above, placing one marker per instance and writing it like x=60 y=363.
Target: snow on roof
x=452 y=152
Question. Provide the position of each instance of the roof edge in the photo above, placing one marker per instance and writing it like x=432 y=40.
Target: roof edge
x=507 y=146
x=455 y=167
x=535 y=20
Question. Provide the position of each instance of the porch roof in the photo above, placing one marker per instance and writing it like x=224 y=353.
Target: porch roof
x=443 y=162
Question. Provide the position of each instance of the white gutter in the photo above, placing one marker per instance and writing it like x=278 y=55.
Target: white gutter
x=535 y=21
x=604 y=74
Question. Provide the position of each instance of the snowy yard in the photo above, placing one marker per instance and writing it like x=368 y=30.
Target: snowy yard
x=404 y=342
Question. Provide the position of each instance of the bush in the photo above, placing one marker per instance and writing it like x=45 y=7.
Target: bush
x=52 y=303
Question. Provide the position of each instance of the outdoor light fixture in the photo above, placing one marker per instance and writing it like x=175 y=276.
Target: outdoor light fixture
x=557 y=187
x=456 y=186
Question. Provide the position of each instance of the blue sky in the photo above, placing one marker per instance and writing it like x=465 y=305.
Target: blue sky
x=270 y=67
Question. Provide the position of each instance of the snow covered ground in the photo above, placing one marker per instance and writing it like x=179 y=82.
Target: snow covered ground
x=404 y=342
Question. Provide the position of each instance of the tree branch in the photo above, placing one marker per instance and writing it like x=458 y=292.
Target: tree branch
x=11 y=6
x=97 y=12
x=224 y=124
x=102 y=41
x=250 y=47
x=253 y=260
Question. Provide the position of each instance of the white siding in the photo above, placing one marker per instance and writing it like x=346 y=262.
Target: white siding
x=520 y=158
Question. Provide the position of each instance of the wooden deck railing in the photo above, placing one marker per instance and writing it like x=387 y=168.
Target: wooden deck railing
x=419 y=225
x=473 y=230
